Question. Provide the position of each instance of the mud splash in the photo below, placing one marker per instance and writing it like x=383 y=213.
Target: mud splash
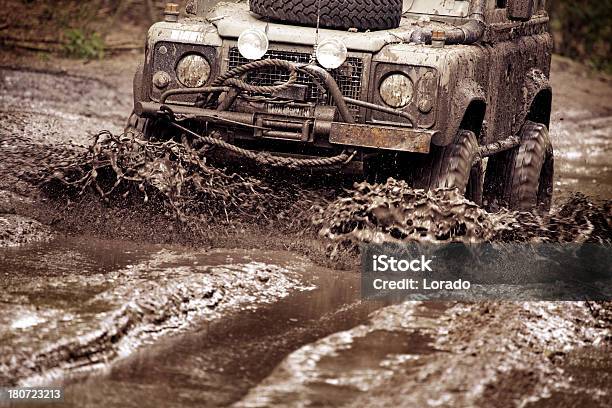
x=174 y=172
x=177 y=175
x=394 y=212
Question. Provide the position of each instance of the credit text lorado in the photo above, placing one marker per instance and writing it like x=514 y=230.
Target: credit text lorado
x=384 y=263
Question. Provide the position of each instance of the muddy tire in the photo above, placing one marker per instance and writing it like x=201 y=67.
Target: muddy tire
x=453 y=166
x=137 y=125
x=522 y=178
x=474 y=188
x=341 y=14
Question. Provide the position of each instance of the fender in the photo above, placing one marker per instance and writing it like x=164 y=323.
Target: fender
x=469 y=94
x=139 y=87
x=537 y=98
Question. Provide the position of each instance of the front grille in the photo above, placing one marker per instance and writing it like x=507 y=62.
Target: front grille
x=348 y=76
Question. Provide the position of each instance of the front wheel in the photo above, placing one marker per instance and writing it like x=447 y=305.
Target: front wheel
x=456 y=165
x=522 y=178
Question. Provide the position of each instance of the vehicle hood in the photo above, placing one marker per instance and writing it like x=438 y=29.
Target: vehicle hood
x=231 y=19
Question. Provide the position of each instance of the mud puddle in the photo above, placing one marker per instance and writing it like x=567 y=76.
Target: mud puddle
x=141 y=322
x=216 y=363
x=56 y=323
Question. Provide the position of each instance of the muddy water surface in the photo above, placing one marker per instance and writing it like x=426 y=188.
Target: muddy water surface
x=216 y=363
x=243 y=312
x=57 y=322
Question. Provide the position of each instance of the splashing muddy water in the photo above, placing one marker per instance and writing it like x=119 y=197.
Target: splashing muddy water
x=177 y=174
x=393 y=212
x=341 y=355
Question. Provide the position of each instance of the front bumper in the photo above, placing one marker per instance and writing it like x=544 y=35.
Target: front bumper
x=318 y=129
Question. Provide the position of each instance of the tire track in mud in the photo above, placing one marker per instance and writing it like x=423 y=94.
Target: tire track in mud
x=502 y=354
x=111 y=313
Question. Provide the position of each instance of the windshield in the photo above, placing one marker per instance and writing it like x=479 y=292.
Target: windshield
x=448 y=8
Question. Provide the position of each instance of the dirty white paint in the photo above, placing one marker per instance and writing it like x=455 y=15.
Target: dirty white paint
x=186 y=36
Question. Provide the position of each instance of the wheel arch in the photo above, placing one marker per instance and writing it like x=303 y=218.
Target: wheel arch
x=537 y=100
x=467 y=112
x=473 y=118
x=541 y=107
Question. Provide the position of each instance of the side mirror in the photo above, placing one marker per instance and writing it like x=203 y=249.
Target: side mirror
x=520 y=9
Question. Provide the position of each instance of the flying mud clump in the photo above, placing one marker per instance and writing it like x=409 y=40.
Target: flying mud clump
x=170 y=172
x=177 y=175
x=394 y=212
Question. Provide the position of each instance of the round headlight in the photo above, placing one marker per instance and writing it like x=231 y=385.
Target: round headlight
x=253 y=44
x=193 y=71
x=331 y=53
x=397 y=90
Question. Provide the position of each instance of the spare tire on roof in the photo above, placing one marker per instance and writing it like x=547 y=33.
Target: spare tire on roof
x=340 y=14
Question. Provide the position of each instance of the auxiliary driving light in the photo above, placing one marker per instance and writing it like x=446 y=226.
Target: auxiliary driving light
x=253 y=44
x=396 y=90
x=331 y=53
x=193 y=71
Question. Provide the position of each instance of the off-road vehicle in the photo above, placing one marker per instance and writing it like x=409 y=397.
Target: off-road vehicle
x=442 y=93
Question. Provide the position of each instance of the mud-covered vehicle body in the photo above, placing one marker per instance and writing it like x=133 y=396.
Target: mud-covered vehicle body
x=456 y=94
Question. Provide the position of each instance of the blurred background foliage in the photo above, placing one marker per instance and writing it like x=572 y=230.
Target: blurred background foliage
x=85 y=29
x=94 y=28
x=582 y=30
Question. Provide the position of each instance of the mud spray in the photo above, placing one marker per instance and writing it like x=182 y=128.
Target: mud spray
x=161 y=192
x=175 y=176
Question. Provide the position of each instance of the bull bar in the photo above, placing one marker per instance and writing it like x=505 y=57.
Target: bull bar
x=344 y=133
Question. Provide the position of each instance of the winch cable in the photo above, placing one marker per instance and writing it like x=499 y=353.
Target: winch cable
x=231 y=78
x=262 y=158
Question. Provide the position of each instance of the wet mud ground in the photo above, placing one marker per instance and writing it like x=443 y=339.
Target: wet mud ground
x=123 y=308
